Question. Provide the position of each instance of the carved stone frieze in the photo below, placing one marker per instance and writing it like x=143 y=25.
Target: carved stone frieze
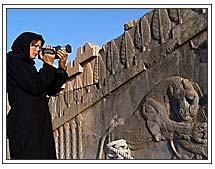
x=146 y=88
x=170 y=112
x=173 y=115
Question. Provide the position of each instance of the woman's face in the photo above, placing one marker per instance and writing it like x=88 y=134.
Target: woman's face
x=34 y=48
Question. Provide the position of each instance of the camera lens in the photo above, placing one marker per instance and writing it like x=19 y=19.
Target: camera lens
x=68 y=48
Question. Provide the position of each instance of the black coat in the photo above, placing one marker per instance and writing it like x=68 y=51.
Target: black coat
x=29 y=127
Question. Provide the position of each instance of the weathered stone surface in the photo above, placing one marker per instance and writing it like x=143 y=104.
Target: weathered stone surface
x=73 y=71
x=86 y=53
x=147 y=89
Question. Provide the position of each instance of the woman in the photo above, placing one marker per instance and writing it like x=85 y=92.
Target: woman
x=29 y=127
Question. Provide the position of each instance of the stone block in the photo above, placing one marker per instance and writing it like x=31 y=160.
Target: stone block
x=86 y=53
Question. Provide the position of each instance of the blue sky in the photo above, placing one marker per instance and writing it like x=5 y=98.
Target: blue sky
x=74 y=26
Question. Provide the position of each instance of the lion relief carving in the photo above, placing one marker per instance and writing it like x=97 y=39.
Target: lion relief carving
x=172 y=112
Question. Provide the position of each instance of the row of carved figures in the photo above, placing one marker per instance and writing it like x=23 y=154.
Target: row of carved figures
x=66 y=99
x=120 y=54
x=153 y=29
x=68 y=139
x=141 y=36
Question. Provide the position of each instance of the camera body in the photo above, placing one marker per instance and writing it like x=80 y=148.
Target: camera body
x=67 y=48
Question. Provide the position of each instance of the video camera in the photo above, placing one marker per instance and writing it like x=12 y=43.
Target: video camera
x=67 y=48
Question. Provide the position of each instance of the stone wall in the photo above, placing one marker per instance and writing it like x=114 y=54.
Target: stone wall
x=142 y=95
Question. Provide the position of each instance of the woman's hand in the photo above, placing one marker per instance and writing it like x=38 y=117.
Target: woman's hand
x=62 y=54
x=48 y=58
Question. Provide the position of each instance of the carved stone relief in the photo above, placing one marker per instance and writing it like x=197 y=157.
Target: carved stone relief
x=112 y=60
x=170 y=113
x=160 y=25
x=68 y=95
x=118 y=150
x=175 y=117
x=153 y=56
x=68 y=139
x=145 y=32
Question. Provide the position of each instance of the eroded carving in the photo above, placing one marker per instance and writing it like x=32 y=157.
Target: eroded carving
x=145 y=32
x=87 y=78
x=68 y=95
x=112 y=57
x=60 y=104
x=118 y=150
x=172 y=118
x=67 y=141
x=115 y=121
x=57 y=143
x=165 y=25
x=171 y=110
x=96 y=71
x=127 y=50
x=52 y=105
x=79 y=121
x=78 y=90
x=160 y=25
x=174 y=15
x=130 y=24
x=62 y=145
x=156 y=25
x=74 y=139
x=138 y=38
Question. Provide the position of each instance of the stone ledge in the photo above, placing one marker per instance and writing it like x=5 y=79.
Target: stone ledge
x=73 y=71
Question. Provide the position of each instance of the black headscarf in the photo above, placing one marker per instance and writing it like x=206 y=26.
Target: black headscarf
x=22 y=43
